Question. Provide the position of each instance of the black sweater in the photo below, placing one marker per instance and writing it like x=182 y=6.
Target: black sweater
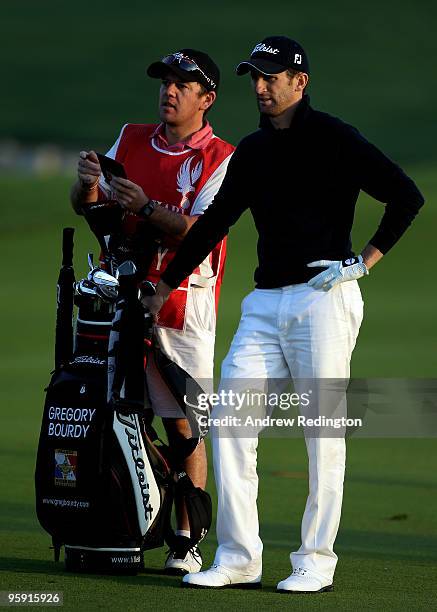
x=301 y=185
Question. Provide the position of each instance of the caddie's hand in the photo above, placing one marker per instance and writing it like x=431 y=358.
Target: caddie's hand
x=337 y=272
x=88 y=169
x=154 y=303
x=128 y=194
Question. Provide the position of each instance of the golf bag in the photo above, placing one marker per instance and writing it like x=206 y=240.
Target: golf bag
x=104 y=482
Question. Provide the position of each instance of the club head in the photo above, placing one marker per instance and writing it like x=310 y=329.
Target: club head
x=127 y=268
x=106 y=286
x=85 y=288
x=100 y=277
x=98 y=284
x=107 y=293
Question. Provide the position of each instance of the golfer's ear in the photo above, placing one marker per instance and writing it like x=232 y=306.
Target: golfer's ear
x=301 y=81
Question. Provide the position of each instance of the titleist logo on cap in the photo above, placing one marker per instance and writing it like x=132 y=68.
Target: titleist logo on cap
x=265 y=49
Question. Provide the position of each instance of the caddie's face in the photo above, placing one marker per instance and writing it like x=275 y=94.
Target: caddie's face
x=275 y=93
x=180 y=102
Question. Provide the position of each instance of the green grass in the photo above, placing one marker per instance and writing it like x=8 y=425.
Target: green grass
x=385 y=564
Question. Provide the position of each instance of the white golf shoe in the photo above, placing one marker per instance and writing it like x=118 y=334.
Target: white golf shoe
x=219 y=577
x=183 y=560
x=304 y=581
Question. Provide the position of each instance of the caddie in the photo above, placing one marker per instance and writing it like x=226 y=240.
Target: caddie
x=174 y=170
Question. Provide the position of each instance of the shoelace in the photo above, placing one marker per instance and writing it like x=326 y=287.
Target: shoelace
x=195 y=553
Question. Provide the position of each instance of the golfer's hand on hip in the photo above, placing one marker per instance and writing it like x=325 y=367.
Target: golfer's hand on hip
x=337 y=272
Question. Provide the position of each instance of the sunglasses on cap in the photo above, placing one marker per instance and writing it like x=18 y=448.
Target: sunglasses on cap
x=187 y=64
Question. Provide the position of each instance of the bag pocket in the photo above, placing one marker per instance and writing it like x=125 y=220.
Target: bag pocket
x=201 y=308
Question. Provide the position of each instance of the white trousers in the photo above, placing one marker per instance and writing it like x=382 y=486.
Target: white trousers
x=302 y=333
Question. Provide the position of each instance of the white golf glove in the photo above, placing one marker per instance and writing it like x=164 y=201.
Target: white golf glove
x=337 y=272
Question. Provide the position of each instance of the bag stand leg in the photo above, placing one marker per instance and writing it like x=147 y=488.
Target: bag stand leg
x=56 y=545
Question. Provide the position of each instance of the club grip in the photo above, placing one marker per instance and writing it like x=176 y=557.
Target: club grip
x=67 y=246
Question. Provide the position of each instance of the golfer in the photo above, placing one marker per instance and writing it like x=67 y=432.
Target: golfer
x=300 y=174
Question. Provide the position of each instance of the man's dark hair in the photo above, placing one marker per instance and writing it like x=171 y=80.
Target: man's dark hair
x=292 y=73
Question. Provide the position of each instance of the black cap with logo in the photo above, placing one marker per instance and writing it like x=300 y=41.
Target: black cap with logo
x=188 y=65
x=275 y=54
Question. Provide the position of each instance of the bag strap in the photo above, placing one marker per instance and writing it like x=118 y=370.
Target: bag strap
x=186 y=390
